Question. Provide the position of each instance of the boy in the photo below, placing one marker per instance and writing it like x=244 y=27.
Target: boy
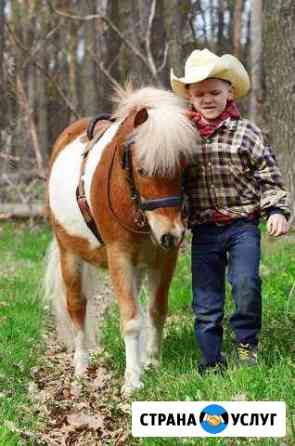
x=233 y=180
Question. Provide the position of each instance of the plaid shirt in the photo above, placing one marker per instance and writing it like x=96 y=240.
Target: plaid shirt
x=235 y=173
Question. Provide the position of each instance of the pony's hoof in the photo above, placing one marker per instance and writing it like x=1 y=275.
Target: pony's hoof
x=151 y=363
x=128 y=388
x=81 y=364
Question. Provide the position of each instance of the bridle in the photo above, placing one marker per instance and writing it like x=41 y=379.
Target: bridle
x=142 y=205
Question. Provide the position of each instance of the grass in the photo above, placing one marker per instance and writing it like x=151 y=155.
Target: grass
x=274 y=379
x=21 y=251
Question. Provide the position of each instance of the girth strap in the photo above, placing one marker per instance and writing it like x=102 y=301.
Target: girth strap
x=80 y=191
x=86 y=212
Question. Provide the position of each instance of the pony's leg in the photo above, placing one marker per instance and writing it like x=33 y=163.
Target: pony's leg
x=76 y=303
x=126 y=282
x=159 y=278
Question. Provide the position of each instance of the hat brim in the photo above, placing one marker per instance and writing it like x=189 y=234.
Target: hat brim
x=228 y=70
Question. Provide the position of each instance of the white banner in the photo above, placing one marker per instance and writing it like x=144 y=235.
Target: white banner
x=209 y=419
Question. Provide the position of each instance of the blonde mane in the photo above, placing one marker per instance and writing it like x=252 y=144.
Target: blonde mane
x=167 y=136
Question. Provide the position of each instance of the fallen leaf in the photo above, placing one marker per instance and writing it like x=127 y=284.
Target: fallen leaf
x=81 y=421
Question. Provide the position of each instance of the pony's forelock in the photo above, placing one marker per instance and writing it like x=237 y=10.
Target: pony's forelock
x=167 y=136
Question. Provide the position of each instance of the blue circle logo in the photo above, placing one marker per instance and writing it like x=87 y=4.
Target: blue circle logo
x=214 y=419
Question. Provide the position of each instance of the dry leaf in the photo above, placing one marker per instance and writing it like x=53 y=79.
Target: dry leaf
x=81 y=421
x=85 y=418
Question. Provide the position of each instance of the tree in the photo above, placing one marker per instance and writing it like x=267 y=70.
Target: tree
x=89 y=70
x=2 y=78
x=237 y=19
x=256 y=60
x=176 y=18
x=279 y=68
x=220 y=25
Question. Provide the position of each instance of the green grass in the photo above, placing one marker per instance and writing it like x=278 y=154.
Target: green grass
x=21 y=250
x=273 y=379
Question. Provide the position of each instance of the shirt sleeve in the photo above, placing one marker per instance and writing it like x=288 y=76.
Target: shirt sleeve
x=273 y=194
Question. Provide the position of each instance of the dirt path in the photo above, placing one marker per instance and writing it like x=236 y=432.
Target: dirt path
x=89 y=412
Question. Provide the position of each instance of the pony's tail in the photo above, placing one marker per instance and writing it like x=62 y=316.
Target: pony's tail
x=55 y=295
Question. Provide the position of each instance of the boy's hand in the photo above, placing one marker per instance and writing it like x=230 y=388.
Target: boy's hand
x=277 y=225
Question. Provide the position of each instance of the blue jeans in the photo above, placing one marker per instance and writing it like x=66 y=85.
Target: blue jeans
x=236 y=245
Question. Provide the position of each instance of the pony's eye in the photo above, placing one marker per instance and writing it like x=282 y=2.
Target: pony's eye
x=142 y=172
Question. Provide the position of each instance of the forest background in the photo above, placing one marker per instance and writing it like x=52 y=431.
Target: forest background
x=60 y=60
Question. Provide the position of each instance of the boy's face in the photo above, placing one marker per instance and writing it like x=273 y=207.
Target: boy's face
x=210 y=96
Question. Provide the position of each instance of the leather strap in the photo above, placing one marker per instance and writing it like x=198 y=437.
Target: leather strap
x=80 y=191
x=86 y=213
x=156 y=203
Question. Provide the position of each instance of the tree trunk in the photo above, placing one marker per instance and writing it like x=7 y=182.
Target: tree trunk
x=73 y=63
x=237 y=27
x=176 y=13
x=279 y=67
x=256 y=61
x=158 y=40
x=111 y=54
x=3 y=110
x=220 y=28
x=130 y=66
x=41 y=96
x=42 y=111
x=89 y=70
x=27 y=112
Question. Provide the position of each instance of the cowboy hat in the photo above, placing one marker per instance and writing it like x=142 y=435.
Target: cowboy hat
x=202 y=64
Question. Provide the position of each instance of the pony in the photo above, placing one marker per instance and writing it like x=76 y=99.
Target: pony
x=131 y=187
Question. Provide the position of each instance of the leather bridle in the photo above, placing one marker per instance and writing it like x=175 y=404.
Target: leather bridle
x=142 y=205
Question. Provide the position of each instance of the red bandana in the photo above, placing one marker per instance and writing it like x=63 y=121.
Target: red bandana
x=207 y=128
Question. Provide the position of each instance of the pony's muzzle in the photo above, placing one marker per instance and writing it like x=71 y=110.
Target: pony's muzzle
x=169 y=241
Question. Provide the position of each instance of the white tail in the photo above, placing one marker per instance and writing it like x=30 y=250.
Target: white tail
x=54 y=294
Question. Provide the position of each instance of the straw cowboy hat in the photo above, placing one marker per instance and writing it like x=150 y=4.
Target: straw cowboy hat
x=202 y=64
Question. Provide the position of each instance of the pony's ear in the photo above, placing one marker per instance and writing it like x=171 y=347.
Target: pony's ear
x=140 y=117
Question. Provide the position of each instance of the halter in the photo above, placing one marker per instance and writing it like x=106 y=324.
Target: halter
x=142 y=205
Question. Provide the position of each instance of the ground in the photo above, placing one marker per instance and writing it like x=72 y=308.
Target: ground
x=60 y=411
x=90 y=411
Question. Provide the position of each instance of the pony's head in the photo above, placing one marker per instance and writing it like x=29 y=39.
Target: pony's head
x=161 y=139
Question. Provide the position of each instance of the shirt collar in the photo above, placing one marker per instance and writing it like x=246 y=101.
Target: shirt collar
x=230 y=123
